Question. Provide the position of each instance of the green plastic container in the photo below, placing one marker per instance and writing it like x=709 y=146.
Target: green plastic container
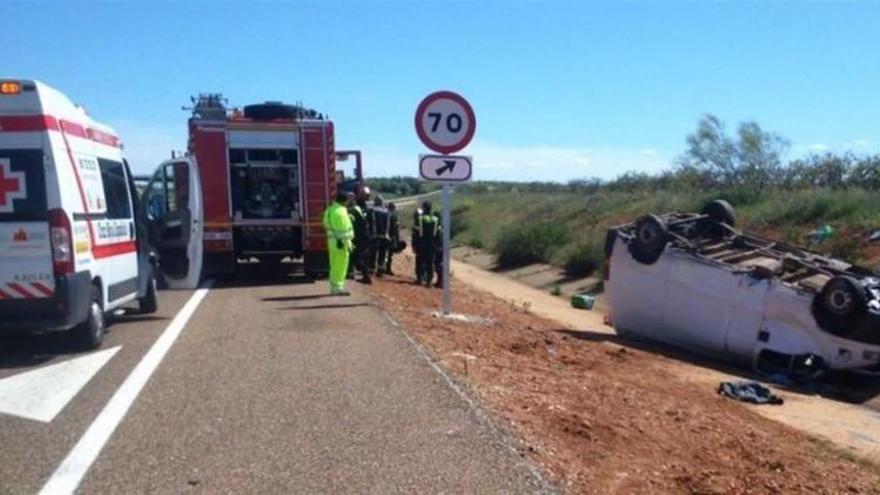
x=583 y=301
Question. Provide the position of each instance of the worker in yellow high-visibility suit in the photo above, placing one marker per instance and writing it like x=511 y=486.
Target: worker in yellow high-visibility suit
x=340 y=233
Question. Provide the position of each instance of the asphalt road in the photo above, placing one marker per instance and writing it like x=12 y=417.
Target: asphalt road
x=272 y=387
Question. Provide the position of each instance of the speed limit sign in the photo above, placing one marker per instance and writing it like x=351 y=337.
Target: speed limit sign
x=445 y=122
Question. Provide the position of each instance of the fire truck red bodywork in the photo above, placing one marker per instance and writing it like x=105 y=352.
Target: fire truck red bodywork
x=209 y=145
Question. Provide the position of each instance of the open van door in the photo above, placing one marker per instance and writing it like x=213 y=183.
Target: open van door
x=173 y=208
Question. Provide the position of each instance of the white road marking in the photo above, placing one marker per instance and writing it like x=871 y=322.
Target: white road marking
x=73 y=468
x=42 y=393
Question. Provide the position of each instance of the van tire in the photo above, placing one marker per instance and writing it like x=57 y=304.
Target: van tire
x=720 y=211
x=649 y=240
x=840 y=305
x=148 y=304
x=90 y=333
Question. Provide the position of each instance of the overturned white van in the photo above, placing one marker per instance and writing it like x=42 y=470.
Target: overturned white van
x=72 y=246
x=695 y=282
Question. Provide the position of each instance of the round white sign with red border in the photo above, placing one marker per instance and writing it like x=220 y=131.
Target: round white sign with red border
x=445 y=122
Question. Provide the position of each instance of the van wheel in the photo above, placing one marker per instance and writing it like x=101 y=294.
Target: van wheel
x=90 y=333
x=148 y=303
x=840 y=304
x=649 y=241
x=720 y=211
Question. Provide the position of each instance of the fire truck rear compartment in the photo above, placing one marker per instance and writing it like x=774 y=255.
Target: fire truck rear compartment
x=265 y=203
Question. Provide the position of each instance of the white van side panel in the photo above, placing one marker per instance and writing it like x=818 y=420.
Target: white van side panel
x=104 y=246
x=637 y=293
x=698 y=305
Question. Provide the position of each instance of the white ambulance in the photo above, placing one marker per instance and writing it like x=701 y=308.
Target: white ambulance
x=70 y=246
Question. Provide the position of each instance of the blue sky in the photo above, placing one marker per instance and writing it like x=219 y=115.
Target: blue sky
x=561 y=90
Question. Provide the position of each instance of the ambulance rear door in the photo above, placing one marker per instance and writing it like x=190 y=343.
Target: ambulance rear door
x=173 y=208
x=26 y=269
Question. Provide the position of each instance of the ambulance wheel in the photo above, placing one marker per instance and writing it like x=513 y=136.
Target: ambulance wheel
x=148 y=303
x=90 y=333
x=649 y=240
x=840 y=305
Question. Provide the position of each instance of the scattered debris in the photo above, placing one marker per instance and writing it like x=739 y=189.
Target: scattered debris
x=821 y=234
x=874 y=235
x=583 y=301
x=751 y=392
x=475 y=320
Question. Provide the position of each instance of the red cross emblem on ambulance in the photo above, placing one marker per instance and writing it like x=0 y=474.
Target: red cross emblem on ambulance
x=12 y=186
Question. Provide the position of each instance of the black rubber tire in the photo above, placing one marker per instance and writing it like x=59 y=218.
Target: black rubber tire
x=649 y=239
x=840 y=305
x=270 y=111
x=720 y=211
x=149 y=303
x=89 y=334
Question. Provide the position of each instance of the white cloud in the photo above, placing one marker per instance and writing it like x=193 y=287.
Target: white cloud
x=525 y=163
x=858 y=143
x=817 y=147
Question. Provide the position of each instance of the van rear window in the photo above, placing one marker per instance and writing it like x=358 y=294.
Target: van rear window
x=22 y=186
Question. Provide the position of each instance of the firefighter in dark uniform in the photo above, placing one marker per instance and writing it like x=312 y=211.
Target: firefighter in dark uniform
x=361 y=238
x=394 y=234
x=379 y=220
x=428 y=228
x=414 y=239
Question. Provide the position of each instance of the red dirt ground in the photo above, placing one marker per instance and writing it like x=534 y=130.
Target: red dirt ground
x=601 y=418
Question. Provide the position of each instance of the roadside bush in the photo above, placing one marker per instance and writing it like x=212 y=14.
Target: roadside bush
x=846 y=247
x=520 y=245
x=584 y=260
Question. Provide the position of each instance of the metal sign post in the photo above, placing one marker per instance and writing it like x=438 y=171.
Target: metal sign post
x=446 y=123
x=447 y=222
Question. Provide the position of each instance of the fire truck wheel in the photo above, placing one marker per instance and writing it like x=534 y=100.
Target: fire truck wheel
x=148 y=303
x=720 y=211
x=649 y=241
x=90 y=333
x=840 y=305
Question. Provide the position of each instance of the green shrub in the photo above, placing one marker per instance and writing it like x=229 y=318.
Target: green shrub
x=476 y=242
x=520 y=245
x=584 y=260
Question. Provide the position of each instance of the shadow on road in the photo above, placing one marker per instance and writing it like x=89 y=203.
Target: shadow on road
x=297 y=298
x=328 y=306
x=20 y=350
x=850 y=387
x=257 y=275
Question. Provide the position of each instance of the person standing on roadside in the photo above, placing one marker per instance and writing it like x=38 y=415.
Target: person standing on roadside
x=415 y=242
x=362 y=235
x=380 y=221
x=394 y=234
x=428 y=228
x=340 y=233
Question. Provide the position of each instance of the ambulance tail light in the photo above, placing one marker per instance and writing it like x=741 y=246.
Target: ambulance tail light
x=62 y=242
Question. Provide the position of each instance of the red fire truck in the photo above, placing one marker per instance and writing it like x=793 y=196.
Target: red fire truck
x=253 y=186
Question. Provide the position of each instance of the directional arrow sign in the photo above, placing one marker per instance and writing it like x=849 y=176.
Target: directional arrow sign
x=445 y=168
x=42 y=393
